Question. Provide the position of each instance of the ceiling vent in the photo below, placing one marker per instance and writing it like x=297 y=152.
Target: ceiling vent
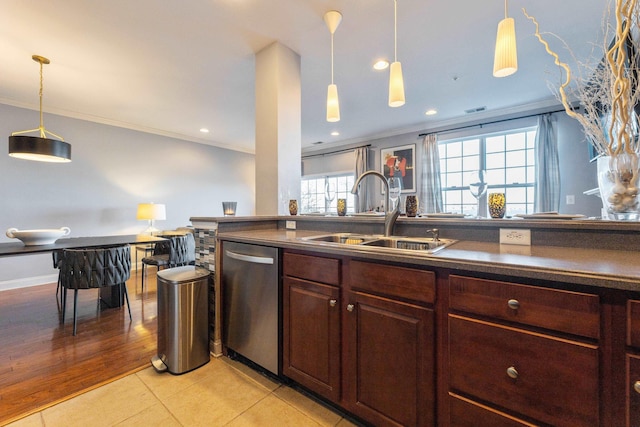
x=475 y=110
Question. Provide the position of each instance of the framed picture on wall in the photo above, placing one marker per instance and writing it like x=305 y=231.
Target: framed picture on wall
x=400 y=162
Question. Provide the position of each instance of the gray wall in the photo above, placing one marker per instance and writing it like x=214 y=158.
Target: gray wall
x=577 y=174
x=112 y=170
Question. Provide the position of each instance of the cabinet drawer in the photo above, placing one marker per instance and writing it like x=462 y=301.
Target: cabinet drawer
x=633 y=323
x=467 y=413
x=564 y=311
x=552 y=380
x=318 y=269
x=410 y=283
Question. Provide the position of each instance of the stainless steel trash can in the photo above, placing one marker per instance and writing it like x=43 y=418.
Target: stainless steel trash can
x=183 y=319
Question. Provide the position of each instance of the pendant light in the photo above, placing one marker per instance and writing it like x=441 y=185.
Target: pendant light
x=40 y=148
x=332 y=19
x=396 y=82
x=505 y=60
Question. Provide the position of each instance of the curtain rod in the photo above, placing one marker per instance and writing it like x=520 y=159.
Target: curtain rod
x=335 y=152
x=491 y=123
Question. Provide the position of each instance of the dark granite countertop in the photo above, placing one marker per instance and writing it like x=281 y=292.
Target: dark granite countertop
x=602 y=268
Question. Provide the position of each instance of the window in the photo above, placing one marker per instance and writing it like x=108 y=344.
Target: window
x=321 y=194
x=509 y=161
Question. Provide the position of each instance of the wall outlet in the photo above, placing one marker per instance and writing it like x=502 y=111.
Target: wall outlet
x=571 y=199
x=512 y=236
x=290 y=225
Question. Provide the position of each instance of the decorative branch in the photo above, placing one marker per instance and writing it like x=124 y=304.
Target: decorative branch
x=612 y=85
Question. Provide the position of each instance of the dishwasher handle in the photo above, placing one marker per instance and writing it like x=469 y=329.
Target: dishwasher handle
x=249 y=258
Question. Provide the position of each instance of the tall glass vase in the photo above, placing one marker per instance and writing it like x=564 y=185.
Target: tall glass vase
x=618 y=184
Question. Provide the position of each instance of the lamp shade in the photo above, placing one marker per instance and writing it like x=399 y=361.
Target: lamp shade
x=396 y=85
x=505 y=60
x=151 y=211
x=39 y=149
x=333 y=105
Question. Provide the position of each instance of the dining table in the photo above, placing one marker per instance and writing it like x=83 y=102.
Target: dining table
x=111 y=296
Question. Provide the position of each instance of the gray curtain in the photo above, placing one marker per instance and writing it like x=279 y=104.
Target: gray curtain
x=362 y=165
x=430 y=195
x=547 y=187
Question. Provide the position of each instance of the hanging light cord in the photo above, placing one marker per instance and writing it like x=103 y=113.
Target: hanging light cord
x=43 y=131
x=332 y=57
x=395 y=30
x=505 y=9
x=42 y=134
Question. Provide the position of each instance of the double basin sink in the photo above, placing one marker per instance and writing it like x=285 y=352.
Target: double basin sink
x=425 y=245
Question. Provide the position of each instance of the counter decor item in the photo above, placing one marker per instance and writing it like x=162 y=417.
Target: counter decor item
x=497 y=205
x=609 y=96
x=342 y=207
x=38 y=237
x=293 y=207
x=618 y=185
x=411 y=206
x=229 y=208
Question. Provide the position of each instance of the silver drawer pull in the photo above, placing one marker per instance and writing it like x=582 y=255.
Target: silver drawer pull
x=513 y=304
x=350 y=307
x=333 y=302
x=511 y=371
x=636 y=386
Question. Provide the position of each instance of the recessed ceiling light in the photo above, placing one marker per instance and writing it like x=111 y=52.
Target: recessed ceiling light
x=381 y=64
x=431 y=112
x=335 y=133
x=204 y=130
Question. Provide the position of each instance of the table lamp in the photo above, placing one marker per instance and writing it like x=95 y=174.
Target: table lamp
x=151 y=212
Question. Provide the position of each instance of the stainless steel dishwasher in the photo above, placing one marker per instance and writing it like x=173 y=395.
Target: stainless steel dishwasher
x=251 y=306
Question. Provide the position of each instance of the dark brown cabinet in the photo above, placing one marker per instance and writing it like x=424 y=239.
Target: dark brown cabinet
x=361 y=335
x=389 y=374
x=510 y=353
x=311 y=324
x=633 y=364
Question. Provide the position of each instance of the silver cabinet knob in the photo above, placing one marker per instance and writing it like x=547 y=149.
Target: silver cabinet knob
x=636 y=386
x=333 y=302
x=350 y=307
x=512 y=372
x=513 y=304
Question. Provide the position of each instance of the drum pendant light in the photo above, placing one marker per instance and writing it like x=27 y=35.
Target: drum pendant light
x=505 y=60
x=40 y=148
x=396 y=82
x=332 y=19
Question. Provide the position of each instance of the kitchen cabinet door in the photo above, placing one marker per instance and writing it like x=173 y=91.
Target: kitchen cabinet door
x=389 y=361
x=311 y=336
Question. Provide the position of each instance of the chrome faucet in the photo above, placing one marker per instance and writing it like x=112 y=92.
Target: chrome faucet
x=389 y=217
x=435 y=233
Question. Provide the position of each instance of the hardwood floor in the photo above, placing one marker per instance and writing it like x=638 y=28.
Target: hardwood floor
x=42 y=363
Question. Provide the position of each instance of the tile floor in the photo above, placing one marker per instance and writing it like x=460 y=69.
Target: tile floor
x=221 y=393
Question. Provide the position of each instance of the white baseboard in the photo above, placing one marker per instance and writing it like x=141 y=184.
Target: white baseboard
x=28 y=281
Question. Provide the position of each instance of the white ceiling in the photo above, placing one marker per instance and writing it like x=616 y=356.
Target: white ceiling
x=173 y=67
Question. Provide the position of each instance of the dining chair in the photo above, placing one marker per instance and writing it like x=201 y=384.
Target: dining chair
x=177 y=252
x=56 y=255
x=89 y=268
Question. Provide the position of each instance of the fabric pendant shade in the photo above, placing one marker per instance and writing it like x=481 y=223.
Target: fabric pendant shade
x=41 y=149
x=396 y=85
x=333 y=104
x=396 y=81
x=332 y=19
x=505 y=60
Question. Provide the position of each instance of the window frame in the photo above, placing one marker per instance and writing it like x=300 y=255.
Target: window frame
x=343 y=190
x=456 y=167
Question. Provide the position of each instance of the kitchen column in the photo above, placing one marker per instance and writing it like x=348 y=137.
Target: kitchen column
x=278 y=129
